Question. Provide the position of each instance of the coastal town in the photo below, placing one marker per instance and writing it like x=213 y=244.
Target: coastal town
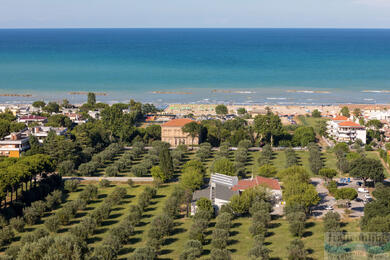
x=209 y=181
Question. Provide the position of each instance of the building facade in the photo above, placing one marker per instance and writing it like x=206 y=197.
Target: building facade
x=171 y=132
x=342 y=129
x=14 y=144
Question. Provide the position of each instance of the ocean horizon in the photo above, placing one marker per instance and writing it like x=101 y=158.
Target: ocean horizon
x=197 y=65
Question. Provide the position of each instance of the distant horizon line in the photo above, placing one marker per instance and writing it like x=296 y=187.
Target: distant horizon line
x=212 y=28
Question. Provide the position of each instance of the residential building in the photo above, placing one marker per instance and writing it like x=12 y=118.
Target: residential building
x=41 y=132
x=219 y=191
x=341 y=129
x=32 y=118
x=14 y=144
x=271 y=184
x=171 y=132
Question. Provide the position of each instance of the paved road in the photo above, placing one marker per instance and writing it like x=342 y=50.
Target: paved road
x=115 y=179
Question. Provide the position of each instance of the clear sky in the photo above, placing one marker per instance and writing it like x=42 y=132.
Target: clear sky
x=194 y=13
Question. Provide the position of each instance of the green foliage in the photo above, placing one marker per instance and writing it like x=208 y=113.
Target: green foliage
x=328 y=173
x=219 y=238
x=223 y=166
x=367 y=168
x=59 y=120
x=291 y=157
x=91 y=99
x=303 y=135
x=104 y=183
x=166 y=163
x=17 y=223
x=52 y=224
x=191 y=178
x=143 y=253
x=192 y=129
x=296 y=250
x=38 y=104
x=204 y=204
x=268 y=126
x=346 y=193
x=71 y=185
x=345 y=112
x=267 y=170
x=265 y=155
x=221 y=110
x=316 y=113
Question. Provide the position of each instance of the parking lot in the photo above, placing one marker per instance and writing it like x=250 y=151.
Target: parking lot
x=328 y=202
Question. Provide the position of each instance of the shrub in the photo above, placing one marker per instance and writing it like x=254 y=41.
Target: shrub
x=267 y=170
x=104 y=183
x=112 y=171
x=66 y=168
x=17 y=223
x=31 y=215
x=39 y=206
x=139 y=170
x=6 y=235
x=220 y=254
x=103 y=252
x=220 y=238
x=130 y=182
x=52 y=224
x=346 y=193
x=71 y=185
x=143 y=253
x=53 y=200
x=89 y=193
x=3 y=221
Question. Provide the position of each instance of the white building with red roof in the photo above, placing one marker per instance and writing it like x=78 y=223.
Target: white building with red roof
x=171 y=132
x=341 y=129
x=271 y=184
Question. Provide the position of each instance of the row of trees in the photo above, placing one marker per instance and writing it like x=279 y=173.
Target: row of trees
x=16 y=172
x=261 y=218
x=98 y=160
x=220 y=237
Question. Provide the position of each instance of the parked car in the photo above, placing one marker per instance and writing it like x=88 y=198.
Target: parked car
x=329 y=207
x=363 y=190
x=367 y=196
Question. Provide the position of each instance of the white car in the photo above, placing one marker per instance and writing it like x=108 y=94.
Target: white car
x=363 y=190
x=367 y=196
x=329 y=208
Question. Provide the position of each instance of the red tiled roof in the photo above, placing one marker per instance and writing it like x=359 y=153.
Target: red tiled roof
x=349 y=123
x=340 y=118
x=258 y=180
x=32 y=117
x=178 y=122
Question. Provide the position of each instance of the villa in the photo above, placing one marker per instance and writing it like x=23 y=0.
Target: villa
x=171 y=132
x=14 y=144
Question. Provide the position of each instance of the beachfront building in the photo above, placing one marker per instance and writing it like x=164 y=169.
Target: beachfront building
x=14 y=144
x=171 y=132
x=341 y=129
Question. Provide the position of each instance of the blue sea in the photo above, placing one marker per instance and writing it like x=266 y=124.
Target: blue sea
x=262 y=66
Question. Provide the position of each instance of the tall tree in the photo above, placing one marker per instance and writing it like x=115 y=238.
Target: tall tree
x=367 y=168
x=91 y=99
x=345 y=112
x=268 y=125
x=193 y=129
x=166 y=163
